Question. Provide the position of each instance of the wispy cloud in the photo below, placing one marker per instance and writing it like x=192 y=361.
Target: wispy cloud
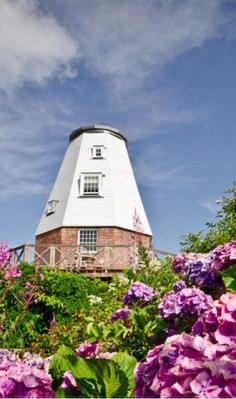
x=127 y=41
x=31 y=140
x=211 y=206
x=152 y=170
x=34 y=47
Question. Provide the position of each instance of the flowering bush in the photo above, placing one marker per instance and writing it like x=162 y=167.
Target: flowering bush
x=121 y=314
x=186 y=302
x=224 y=256
x=219 y=323
x=187 y=366
x=201 y=269
x=89 y=350
x=140 y=294
x=5 y=255
x=27 y=378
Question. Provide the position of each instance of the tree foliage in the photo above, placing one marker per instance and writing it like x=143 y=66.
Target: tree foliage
x=221 y=231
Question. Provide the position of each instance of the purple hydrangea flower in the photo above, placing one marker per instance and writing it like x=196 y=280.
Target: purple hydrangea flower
x=224 y=256
x=179 y=285
x=88 y=350
x=179 y=262
x=219 y=323
x=187 y=366
x=23 y=378
x=139 y=293
x=122 y=314
x=187 y=302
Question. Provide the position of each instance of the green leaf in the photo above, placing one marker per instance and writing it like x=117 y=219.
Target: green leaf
x=112 y=379
x=127 y=364
x=94 y=330
x=64 y=393
x=229 y=278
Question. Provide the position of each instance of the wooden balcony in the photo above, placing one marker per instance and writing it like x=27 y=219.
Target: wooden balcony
x=100 y=261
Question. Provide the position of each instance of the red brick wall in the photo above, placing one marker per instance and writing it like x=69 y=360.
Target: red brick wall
x=107 y=236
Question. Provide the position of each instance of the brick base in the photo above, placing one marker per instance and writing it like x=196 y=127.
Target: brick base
x=117 y=247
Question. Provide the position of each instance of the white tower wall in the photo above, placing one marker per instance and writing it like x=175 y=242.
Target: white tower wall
x=119 y=202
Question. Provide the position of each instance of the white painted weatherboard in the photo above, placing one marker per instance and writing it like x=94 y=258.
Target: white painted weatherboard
x=120 y=199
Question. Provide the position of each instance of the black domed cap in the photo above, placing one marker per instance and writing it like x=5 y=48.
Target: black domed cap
x=97 y=129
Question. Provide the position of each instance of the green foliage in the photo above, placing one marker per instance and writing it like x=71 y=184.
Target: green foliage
x=82 y=309
x=229 y=278
x=220 y=232
x=155 y=273
x=95 y=377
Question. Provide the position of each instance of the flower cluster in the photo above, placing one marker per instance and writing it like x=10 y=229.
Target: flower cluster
x=23 y=378
x=139 y=293
x=186 y=302
x=89 y=350
x=201 y=269
x=179 y=285
x=224 y=256
x=12 y=273
x=121 y=314
x=5 y=255
x=219 y=323
x=187 y=366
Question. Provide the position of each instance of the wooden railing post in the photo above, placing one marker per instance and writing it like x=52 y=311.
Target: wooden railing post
x=107 y=257
x=26 y=254
x=52 y=254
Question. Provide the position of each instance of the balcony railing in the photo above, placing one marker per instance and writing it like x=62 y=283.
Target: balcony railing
x=105 y=260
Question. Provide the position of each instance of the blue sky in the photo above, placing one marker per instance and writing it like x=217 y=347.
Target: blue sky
x=163 y=72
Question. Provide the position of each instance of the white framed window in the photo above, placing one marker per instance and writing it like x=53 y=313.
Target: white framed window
x=98 y=151
x=88 y=240
x=51 y=207
x=90 y=184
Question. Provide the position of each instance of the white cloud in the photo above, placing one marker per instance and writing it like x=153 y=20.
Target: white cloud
x=126 y=41
x=33 y=137
x=34 y=47
x=152 y=169
x=211 y=206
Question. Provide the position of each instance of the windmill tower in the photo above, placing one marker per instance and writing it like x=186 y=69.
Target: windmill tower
x=95 y=201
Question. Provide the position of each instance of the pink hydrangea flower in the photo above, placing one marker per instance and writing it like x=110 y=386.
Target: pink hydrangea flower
x=187 y=366
x=5 y=255
x=89 y=350
x=219 y=323
x=25 y=378
x=12 y=273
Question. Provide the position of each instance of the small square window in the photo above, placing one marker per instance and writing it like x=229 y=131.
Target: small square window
x=51 y=207
x=97 y=151
x=90 y=184
x=88 y=241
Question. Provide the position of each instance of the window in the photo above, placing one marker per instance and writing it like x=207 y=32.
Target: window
x=90 y=184
x=97 y=151
x=51 y=207
x=88 y=241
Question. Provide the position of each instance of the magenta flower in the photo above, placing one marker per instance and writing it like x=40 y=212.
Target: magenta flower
x=12 y=273
x=23 y=378
x=224 y=256
x=5 y=255
x=139 y=293
x=179 y=285
x=187 y=366
x=88 y=350
x=121 y=314
x=219 y=323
